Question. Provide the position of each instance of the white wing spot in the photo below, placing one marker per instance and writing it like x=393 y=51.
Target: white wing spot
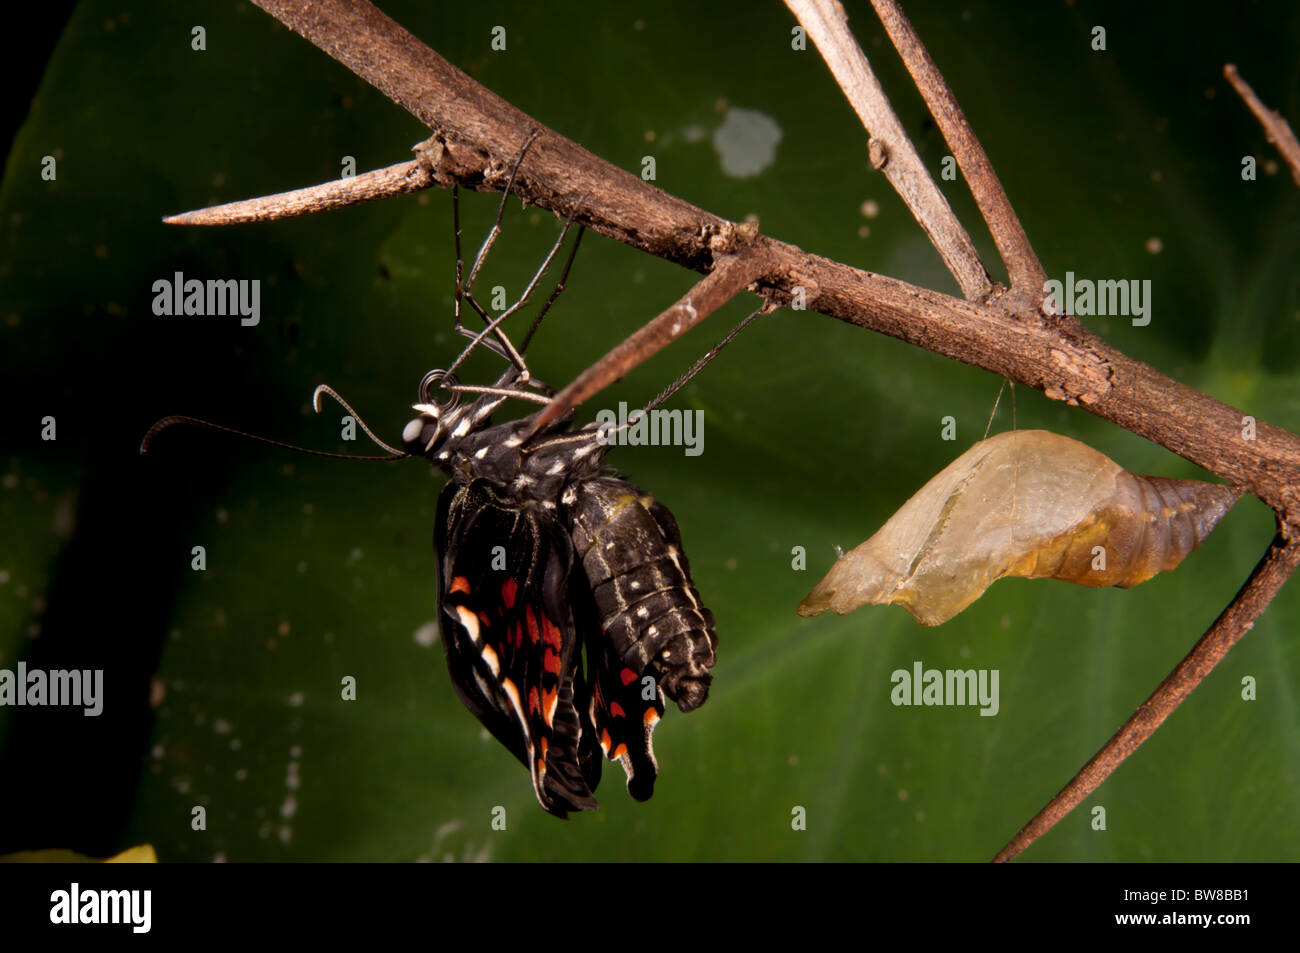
x=470 y=621
x=493 y=663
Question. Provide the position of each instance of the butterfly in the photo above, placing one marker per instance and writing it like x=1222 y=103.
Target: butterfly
x=566 y=605
x=565 y=600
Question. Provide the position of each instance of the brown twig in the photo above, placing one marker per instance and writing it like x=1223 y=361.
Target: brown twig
x=1023 y=267
x=890 y=150
x=480 y=134
x=1239 y=618
x=400 y=179
x=1277 y=129
x=729 y=277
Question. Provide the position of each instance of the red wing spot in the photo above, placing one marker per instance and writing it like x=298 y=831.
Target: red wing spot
x=605 y=741
x=546 y=746
x=619 y=752
x=549 y=699
x=534 y=703
x=551 y=633
x=616 y=710
x=483 y=617
x=651 y=717
x=628 y=676
x=551 y=662
x=459 y=584
x=531 y=620
x=519 y=635
x=508 y=590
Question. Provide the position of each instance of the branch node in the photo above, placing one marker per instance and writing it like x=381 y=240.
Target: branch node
x=877 y=153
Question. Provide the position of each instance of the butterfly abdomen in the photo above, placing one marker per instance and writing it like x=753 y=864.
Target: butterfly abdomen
x=631 y=551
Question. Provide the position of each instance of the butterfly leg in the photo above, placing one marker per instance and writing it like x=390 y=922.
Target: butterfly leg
x=559 y=285
x=766 y=308
x=493 y=324
x=464 y=287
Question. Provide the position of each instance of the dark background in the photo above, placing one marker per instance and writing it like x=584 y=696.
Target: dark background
x=223 y=685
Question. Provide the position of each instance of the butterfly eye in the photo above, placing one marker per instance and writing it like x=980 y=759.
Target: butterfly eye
x=414 y=437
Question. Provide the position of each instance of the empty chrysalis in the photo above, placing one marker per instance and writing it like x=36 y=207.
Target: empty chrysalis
x=1026 y=503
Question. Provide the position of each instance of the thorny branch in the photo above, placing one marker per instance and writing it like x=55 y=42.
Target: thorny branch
x=476 y=134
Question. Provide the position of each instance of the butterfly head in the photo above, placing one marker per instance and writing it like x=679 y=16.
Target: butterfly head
x=443 y=418
x=437 y=418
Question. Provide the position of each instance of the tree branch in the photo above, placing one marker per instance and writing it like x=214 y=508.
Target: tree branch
x=1239 y=618
x=890 y=149
x=1023 y=267
x=479 y=135
x=1277 y=129
x=731 y=275
x=383 y=183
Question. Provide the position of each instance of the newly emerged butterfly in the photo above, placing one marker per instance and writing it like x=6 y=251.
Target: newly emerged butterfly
x=1027 y=503
x=565 y=601
x=541 y=559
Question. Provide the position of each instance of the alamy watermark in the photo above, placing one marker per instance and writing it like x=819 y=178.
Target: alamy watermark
x=83 y=688
x=951 y=687
x=132 y=908
x=655 y=428
x=214 y=297
x=1087 y=298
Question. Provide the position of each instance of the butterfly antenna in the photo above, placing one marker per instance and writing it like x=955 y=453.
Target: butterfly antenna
x=166 y=422
x=393 y=454
x=331 y=392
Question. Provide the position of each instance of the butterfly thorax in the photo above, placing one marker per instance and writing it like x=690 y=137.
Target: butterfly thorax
x=539 y=468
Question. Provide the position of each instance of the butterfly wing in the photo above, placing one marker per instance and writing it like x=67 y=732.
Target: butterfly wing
x=623 y=707
x=510 y=637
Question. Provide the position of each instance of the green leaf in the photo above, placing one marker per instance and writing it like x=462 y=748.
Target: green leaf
x=224 y=685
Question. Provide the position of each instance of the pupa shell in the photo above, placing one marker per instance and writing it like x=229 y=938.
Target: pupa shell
x=1027 y=503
